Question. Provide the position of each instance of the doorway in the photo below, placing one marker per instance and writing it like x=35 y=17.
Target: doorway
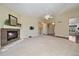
x=46 y=27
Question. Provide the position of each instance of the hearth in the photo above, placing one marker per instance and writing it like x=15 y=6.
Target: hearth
x=9 y=35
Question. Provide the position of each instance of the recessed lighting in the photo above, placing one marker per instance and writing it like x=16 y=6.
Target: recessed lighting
x=53 y=23
x=48 y=16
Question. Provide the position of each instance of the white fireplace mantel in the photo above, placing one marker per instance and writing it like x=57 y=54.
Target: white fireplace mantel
x=14 y=27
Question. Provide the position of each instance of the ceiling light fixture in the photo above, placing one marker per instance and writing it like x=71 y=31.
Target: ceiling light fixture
x=53 y=23
x=47 y=17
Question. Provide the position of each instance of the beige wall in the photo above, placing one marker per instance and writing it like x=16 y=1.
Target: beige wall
x=29 y=21
x=61 y=28
x=4 y=11
x=24 y=20
x=4 y=15
x=62 y=20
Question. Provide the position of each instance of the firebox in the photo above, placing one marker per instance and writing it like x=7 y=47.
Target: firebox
x=12 y=35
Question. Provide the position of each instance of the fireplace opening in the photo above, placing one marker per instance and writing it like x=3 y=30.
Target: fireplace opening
x=12 y=35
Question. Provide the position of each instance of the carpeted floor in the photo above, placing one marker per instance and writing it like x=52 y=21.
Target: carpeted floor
x=41 y=46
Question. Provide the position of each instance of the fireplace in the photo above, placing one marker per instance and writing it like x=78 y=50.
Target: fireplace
x=9 y=35
x=12 y=35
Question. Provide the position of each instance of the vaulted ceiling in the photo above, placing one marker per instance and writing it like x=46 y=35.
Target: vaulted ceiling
x=39 y=9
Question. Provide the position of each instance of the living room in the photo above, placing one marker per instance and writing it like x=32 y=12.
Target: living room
x=23 y=28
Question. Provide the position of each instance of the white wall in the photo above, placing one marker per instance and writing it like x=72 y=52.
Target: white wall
x=62 y=21
x=61 y=29
x=26 y=23
x=4 y=11
x=24 y=20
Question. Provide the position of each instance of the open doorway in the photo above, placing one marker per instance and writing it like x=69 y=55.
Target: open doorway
x=46 y=27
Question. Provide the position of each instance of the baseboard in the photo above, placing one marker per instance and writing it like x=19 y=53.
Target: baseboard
x=61 y=37
x=57 y=36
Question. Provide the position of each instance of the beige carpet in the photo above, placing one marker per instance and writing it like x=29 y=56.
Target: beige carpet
x=42 y=46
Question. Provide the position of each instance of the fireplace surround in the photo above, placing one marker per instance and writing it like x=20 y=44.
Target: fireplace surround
x=9 y=35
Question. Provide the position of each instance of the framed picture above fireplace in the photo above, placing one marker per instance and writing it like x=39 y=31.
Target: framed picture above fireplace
x=12 y=20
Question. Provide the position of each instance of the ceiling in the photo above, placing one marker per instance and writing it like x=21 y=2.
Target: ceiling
x=39 y=9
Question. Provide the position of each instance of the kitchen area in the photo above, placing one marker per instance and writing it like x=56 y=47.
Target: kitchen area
x=74 y=30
